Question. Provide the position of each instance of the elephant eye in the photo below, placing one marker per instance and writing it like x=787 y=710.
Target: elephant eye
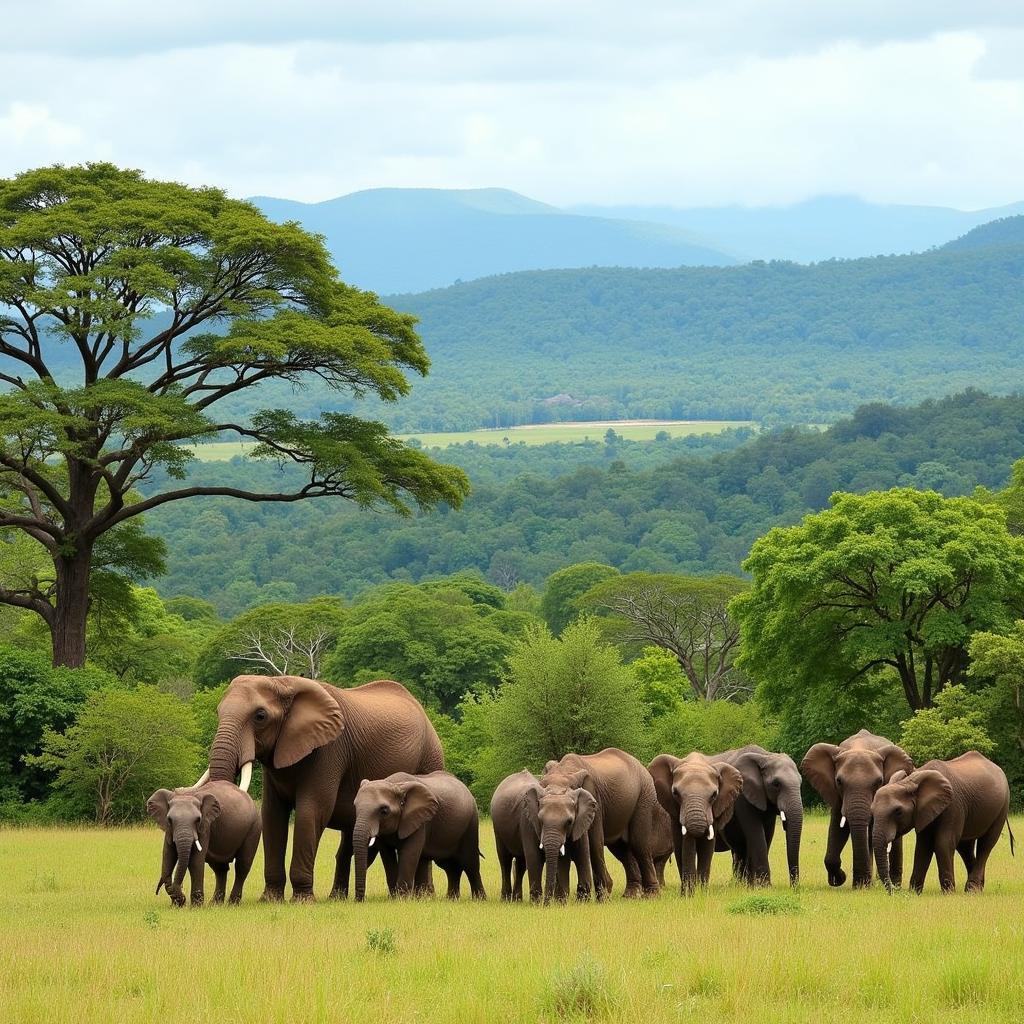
x=384 y=809
x=261 y=715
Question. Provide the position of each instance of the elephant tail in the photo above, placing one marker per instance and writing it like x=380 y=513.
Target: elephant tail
x=1010 y=830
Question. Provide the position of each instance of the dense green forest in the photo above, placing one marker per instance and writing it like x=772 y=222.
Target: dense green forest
x=534 y=509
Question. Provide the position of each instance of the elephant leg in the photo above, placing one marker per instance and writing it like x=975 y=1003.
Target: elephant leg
x=597 y=865
x=755 y=842
x=196 y=871
x=389 y=860
x=896 y=862
x=275 y=813
x=518 y=871
x=453 y=872
x=986 y=844
x=243 y=864
x=410 y=871
x=424 y=885
x=837 y=839
x=705 y=852
x=309 y=827
x=342 y=867
x=584 y=878
x=622 y=853
x=220 y=874
x=923 y=850
x=688 y=864
x=506 y=864
x=562 y=886
x=944 y=848
x=534 y=870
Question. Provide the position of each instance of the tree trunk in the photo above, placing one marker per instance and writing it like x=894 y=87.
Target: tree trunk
x=67 y=629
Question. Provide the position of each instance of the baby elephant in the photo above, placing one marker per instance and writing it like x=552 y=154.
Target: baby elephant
x=214 y=824
x=426 y=818
x=959 y=805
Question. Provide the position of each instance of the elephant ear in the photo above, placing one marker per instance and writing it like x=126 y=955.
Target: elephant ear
x=586 y=808
x=209 y=812
x=751 y=767
x=313 y=719
x=898 y=776
x=661 y=769
x=729 y=787
x=577 y=779
x=419 y=805
x=531 y=806
x=819 y=768
x=934 y=795
x=158 y=805
x=895 y=759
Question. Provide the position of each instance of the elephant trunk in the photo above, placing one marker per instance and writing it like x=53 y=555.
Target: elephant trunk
x=361 y=847
x=858 y=816
x=183 y=843
x=881 y=845
x=233 y=747
x=696 y=819
x=553 y=843
x=688 y=863
x=792 y=808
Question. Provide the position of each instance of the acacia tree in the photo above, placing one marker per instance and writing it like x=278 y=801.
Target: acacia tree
x=133 y=311
x=688 y=616
x=888 y=582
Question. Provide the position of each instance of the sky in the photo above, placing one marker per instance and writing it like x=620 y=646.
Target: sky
x=676 y=102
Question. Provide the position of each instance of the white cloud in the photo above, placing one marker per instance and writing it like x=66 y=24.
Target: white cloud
x=656 y=101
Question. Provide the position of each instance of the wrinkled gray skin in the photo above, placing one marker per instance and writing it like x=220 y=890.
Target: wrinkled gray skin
x=425 y=818
x=214 y=824
x=530 y=823
x=959 y=805
x=699 y=795
x=771 y=788
x=847 y=777
x=624 y=819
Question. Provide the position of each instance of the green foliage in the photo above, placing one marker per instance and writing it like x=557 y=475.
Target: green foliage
x=431 y=637
x=111 y=286
x=35 y=698
x=561 y=694
x=708 y=726
x=582 y=990
x=955 y=725
x=537 y=509
x=123 y=745
x=897 y=579
x=766 y=904
x=663 y=686
x=563 y=589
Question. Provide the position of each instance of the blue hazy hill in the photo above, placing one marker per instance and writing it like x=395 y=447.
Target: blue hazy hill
x=408 y=240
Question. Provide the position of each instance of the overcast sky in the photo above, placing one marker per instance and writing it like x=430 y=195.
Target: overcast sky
x=677 y=102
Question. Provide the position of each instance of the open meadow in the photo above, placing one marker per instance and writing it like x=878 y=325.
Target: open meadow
x=84 y=939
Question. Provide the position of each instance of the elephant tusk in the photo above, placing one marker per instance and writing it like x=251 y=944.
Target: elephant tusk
x=540 y=846
x=561 y=849
x=888 y=848
x=683 y=829
x=842 y=821
x=782 y=815
x=199 y=846
x=246 y=777
x=203 y=779
x=373 y=839
x=711 y=831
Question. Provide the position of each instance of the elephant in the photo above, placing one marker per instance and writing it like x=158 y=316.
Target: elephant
x=215 y=824
x=316 y=742
x=698 y=793
x=623 y=817
x=430 y=817
x=959 y=805
x=771 y=787
x=847 y=777
x=527 y=818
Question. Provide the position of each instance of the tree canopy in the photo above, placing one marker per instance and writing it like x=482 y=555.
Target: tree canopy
x=892 y=581
x=133 y=315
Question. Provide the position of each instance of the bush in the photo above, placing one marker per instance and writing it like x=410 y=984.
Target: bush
x=955 y=725
x=766 y=904
x=123 y=745
x=710 y=727
x=581 y=990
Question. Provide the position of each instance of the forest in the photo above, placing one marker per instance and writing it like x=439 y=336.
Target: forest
x=664 y=506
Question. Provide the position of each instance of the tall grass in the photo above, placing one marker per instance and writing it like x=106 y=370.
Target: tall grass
x=82 y=938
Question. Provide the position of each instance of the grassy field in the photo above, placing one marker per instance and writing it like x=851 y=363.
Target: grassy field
x=83 y=938
x=634 y=430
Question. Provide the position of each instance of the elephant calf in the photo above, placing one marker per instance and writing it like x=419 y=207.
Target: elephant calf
x=529 y=822
x=425 y=818
x=214 y=824
x=959 y=805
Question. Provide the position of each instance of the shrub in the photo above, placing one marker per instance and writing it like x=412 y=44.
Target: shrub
x=955 y=725
x=581 y=990
x=710 y=727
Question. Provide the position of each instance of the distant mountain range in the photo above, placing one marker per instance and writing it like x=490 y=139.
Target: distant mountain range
x=409 y=240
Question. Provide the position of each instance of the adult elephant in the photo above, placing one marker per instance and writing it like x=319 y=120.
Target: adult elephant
x=316 y=742
x=623 y=818
x=771 y=788
x=847 y=777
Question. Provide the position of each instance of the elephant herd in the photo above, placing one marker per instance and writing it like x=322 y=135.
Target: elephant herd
x=367 y=762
